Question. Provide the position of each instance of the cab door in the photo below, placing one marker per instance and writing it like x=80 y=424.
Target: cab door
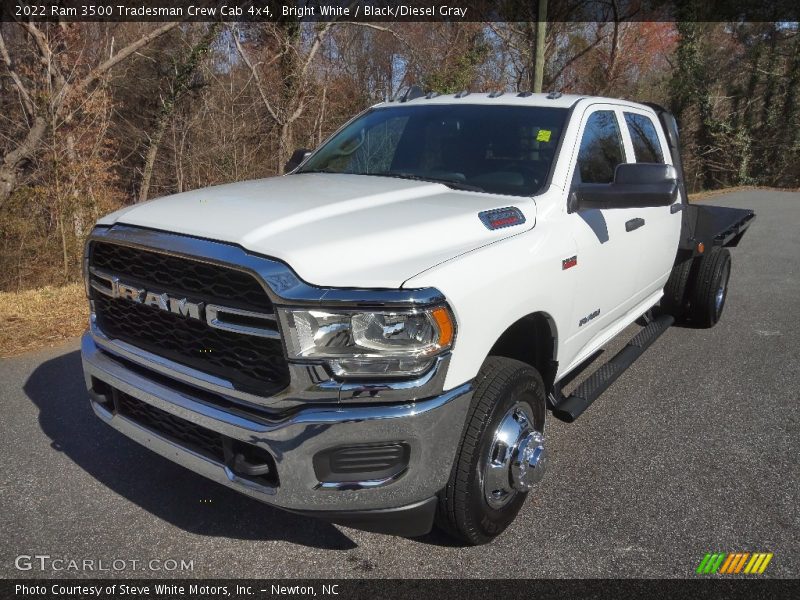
x=606 y=261
x=659 y=230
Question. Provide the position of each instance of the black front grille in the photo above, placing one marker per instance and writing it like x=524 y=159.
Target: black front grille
x=197 y=438
x=190 y=435
x=252 y=364
x=171 y=274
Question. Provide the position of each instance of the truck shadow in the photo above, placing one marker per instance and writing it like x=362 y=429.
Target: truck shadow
x=164 y=489
x=597 y=223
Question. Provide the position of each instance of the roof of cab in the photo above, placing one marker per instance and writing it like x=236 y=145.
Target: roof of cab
x=507 y=98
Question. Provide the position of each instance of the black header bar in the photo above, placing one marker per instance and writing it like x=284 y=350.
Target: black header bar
x=397 y=10
x=751 y=588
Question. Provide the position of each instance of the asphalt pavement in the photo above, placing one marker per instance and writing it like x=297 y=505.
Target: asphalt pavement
x=693 y=450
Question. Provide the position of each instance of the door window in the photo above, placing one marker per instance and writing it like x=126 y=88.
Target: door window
x=601 y=148
x=646 y=146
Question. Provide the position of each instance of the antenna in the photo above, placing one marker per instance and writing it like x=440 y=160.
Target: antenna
x=412 y=93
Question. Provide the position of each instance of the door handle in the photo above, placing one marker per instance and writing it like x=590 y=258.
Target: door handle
x=634 y=224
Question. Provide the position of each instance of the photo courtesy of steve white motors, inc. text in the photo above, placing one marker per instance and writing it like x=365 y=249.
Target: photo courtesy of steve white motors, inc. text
x=171 y=590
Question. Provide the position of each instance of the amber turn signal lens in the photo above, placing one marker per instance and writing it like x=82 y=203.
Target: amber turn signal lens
x=701 y=247
x=442 y=317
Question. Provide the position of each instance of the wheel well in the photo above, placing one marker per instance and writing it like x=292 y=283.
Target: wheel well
x=532 y=340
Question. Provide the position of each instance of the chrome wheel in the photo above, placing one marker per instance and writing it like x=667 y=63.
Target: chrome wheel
x=517 y=457
x=719 y=297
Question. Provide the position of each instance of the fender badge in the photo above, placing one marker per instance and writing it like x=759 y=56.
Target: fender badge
x=570 y=262
x=502 y=217
x=588 y=318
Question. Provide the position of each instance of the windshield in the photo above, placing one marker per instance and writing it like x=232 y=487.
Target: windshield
x=496 y=149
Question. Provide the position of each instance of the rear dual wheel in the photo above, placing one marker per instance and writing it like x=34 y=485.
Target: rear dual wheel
x=697 y=288
x=676 y=291
x=710 y=289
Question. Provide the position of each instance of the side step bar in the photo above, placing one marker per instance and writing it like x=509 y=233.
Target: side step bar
x=571 y=407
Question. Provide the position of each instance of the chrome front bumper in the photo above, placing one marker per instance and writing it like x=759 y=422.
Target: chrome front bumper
x=431 y=427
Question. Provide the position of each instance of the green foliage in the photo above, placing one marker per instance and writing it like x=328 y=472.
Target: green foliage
x=460 y=73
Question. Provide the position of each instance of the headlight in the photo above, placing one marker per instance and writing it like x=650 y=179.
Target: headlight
x=369 y=343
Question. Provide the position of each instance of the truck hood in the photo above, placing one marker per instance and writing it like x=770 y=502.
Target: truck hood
x=335 y=229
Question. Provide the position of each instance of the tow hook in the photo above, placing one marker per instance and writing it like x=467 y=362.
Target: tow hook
x=242 y=466
x=246 y=460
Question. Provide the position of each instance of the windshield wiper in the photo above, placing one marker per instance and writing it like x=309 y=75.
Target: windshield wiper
x=451 y=183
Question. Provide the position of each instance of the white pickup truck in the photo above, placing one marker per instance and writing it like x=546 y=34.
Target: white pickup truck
x=377 y=337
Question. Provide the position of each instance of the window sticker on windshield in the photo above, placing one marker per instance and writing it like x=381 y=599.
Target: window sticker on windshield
x=543 y=135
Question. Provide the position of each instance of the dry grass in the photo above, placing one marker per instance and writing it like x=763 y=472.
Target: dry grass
x=41 y=318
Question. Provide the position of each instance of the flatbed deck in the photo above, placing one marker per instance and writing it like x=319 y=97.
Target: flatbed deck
x=715 y=225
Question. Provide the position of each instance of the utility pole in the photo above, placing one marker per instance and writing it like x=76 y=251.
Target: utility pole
x=538 y=57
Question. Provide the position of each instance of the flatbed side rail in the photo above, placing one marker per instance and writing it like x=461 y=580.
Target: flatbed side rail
x=716 y=226
x=732 y=235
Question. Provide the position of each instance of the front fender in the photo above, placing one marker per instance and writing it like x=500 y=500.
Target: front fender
x=493 y=287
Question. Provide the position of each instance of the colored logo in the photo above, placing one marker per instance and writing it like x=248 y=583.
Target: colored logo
x=501 y=217
x=734 y=563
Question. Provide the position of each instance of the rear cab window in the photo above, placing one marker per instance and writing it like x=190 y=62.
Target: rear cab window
x=644 y=137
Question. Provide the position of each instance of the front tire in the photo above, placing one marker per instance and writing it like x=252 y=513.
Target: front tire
x=501 y=454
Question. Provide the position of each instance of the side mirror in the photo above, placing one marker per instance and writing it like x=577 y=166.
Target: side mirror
x=635 y=185
x=297 y=158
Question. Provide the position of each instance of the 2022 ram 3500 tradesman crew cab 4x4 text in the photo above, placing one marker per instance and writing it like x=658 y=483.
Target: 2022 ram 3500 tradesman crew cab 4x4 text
x=376 y=337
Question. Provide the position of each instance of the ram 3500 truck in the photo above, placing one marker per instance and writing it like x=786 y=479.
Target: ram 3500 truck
x=376 y=337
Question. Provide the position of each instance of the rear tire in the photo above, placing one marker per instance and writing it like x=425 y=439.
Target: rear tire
x=501 y=452
x=676 y=290
x=710 y=287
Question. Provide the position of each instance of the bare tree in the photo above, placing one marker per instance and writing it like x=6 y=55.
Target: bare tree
x=180 y=84
x=54 y=83
x=294 y=64
x=94 y=116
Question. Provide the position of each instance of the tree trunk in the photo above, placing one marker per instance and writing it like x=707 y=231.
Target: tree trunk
x=181 y=84
x=12 y=161
x=611 y=68
x=538 y=56
x=152 y=151
x=64 y=250
x=284 y=147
